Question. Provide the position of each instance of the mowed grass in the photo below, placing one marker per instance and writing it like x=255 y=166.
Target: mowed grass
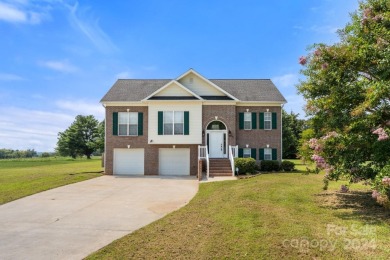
x=20 y=178
x=271 y=216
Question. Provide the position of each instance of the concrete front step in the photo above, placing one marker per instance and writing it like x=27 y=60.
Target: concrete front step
x=220 y=167
x=221 y=170
x=220 y=174
x=219 y=164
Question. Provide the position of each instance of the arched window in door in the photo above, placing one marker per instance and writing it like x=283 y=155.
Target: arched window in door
x=216 y=125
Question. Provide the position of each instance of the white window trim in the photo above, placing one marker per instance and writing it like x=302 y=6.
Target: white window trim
x=268 y=151
x=173 y=122
x=246 y=149
x=127 y=124
x=250 y=120
x=270 y=120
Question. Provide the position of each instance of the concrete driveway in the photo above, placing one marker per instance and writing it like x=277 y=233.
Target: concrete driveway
x=73 y=221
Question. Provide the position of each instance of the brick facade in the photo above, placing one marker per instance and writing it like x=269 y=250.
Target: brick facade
x=151 y=150
x=225 y=114
x=259 y=138
x=255 y=138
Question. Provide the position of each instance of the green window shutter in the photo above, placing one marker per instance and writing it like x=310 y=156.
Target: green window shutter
x=240 y=120
x=115 y=123
x=261 y=154
x=261 y=120
x=140 y=123
x=160 y=122
x=253 y=153
x=274 y=154
x=254 y=121
x=274 y=120
x=186 y=122
x=240 y=152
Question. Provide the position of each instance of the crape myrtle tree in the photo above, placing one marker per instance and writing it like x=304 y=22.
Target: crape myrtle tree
x=347 y=89
x=82 y=137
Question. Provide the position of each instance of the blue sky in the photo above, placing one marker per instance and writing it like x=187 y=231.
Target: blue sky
x=58 y=58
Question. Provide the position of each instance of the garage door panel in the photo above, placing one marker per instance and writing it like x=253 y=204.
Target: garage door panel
x=174 y=161
x=128 y=161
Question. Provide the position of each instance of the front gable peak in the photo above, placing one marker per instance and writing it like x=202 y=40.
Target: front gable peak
x=173 y=90
x=203 y=87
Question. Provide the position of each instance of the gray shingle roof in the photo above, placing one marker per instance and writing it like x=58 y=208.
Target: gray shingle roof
x=242 y=89
x=250 y=89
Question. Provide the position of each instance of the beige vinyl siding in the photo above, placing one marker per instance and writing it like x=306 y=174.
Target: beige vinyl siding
x=173 y=90
x=199 y=86
x=195 y=110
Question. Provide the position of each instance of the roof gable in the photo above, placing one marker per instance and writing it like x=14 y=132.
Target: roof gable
x=202 y=86
x=243 y=90
x=172 y=90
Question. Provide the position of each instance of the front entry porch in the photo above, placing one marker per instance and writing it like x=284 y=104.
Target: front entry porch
x=217 y=154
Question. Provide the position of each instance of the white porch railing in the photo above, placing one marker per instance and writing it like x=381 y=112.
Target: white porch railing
x=233 y=153
x=203 y=154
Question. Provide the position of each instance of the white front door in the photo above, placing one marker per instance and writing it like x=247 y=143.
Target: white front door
x=216 y=143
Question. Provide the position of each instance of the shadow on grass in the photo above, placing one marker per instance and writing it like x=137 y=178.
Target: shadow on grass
x=86 y=172
x=354 y=205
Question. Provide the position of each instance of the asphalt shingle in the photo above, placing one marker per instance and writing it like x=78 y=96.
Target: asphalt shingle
x=243 y=89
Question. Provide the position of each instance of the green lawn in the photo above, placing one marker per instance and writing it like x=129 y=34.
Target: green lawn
x=271 y=216
x=20 y=178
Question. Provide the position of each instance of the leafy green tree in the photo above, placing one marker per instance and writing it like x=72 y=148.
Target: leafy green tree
x=101 y=138
x=292 y=129
x=81 y=138
x=347 y=89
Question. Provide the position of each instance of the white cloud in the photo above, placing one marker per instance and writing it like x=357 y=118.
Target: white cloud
x=31 y=129
x=82 y=107
x=9 y=77
x=123 y=75
x=22 y=12
x=90 y=27
x=325 y=29
x=287 y=80
x=296 y=104
x=36 y=129
x=34 y=12
x=12 y=14
x=62 y=66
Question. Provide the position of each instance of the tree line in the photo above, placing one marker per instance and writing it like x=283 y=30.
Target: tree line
x=14 y=154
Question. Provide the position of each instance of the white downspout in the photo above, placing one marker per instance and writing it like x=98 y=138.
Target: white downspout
x=281 y=133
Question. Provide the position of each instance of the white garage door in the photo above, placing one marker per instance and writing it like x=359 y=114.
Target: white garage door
x=174 y=161
x=128 y=161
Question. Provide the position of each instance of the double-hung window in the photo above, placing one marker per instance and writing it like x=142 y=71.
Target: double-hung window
x=267 y=154
x=267 y=120
x=247 y=152
x=128 y=123
x=247 y=121
x=173 y=122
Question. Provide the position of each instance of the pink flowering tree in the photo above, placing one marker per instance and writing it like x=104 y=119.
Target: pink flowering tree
x=381 y=187
x=347 y=90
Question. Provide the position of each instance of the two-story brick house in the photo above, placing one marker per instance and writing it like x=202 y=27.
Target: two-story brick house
x=158 y=127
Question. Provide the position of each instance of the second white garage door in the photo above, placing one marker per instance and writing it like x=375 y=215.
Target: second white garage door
x=128 y=161
x=174 y=161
